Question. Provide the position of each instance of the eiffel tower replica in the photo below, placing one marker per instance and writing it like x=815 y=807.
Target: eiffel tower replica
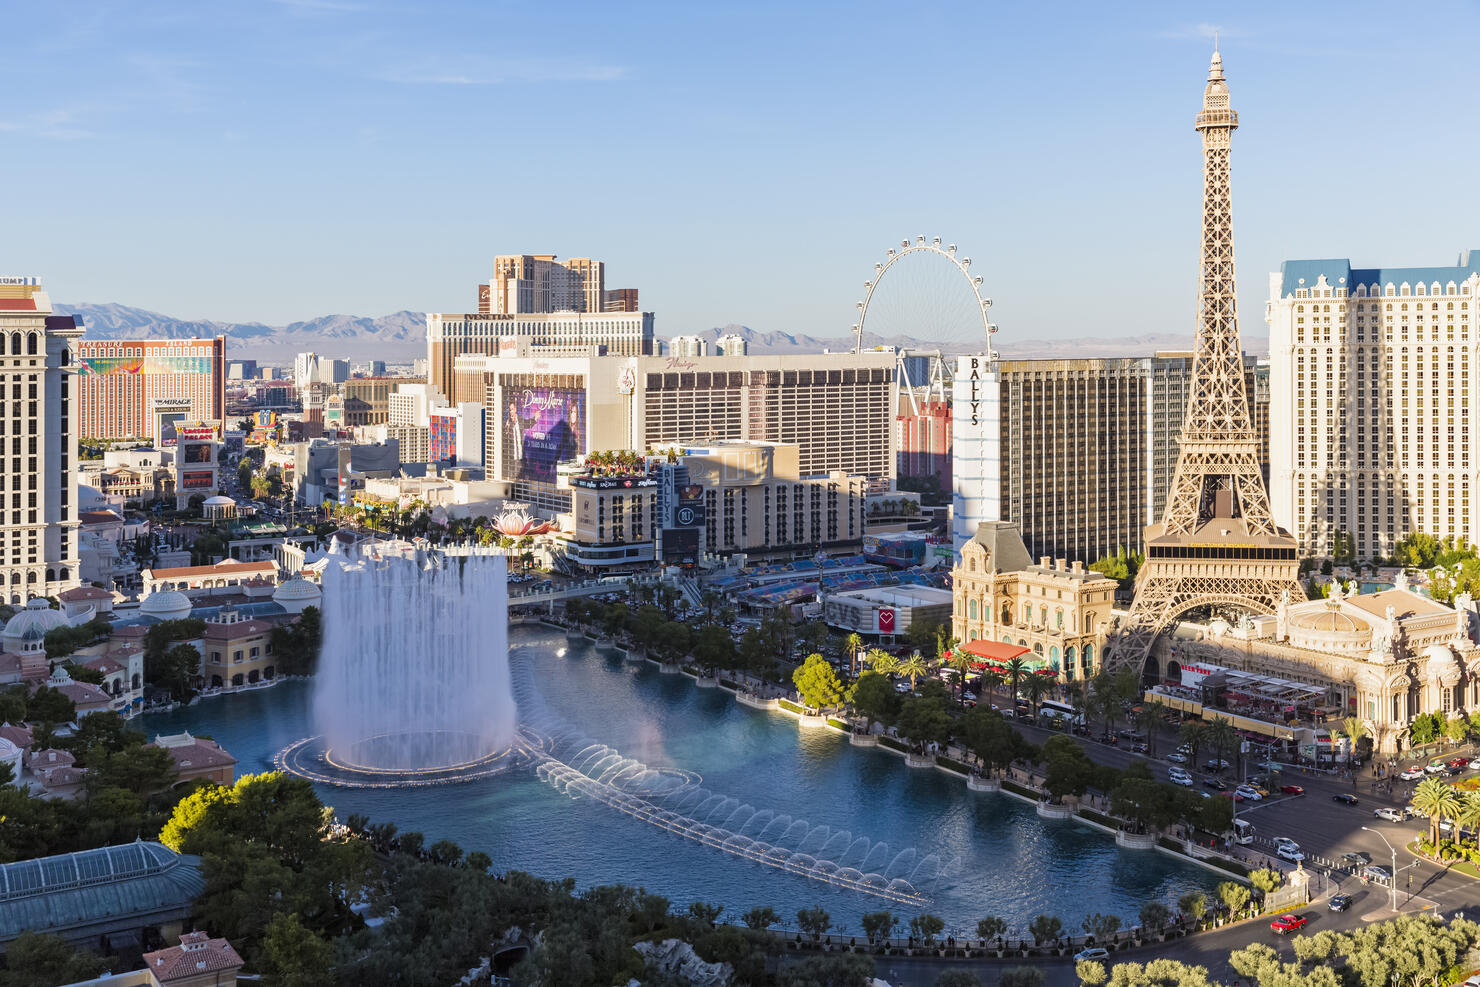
x=1217 y=544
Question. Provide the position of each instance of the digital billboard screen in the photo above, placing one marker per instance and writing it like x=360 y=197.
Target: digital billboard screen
x=681 y=546
x=197 y=452
x=542 y=426
x=688 y=512
x=195 y=481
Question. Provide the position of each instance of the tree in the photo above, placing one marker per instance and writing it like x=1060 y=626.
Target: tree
x=846 y=970
x=992 y=739
x=925 y=718
x=1222 y=737
x=914 y=668
x=878 y=926
x=1154 y=916
x=1355 y=731
x=1194 y=736
x=1045 y=928
x=1021 y=976
x=1038 y=685
x=957 y=978
x=1100 y=926
x=37 y=959
x=1091 y=973
x=178 y=670
x=853 y=647
x=1234 y=895
x=295 y=956
x=814 y=922
x=1015 y=668
x=704 y=912
x=760 y=918
x=882 y=662
x=990 y=928
x=874 y=698
x=714 y=648
x=926 y=927
x=1194 y=904
x=817 y=683
x=1265 y=880
x=960 y=663
x=1436 y=800
x=1067 y=768
x=1148 y=719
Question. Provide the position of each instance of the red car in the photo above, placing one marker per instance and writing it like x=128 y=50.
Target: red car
x=1286 y=924
x=1459 y=762
x=1292 y=789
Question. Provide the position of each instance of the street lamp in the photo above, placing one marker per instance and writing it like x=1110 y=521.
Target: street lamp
x=1393 y=878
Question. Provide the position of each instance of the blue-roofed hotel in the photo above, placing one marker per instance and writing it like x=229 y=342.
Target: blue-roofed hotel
x=1372 y=375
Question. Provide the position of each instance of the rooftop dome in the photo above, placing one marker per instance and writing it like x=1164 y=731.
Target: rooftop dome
x=168 y=604
x=1218 y=627
x=1328 y=619
x=32 y=623
x=296 y=594
x=1442 y=666
x=220 y=500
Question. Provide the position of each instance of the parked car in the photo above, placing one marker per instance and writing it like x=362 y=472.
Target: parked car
x=1248 y=792
x=1292 y=790
x=1377 y=874
x=1092 y=953
x=1435 y=768
x=1340 y=902
x=1177 y=757
x=1459 y=762
x=1411 y=774
x=1290 y=852
x=1356 y=858
x=1139 y=749
x=1214 y=783
x=1345 y=798
x=1183 y=779
x=1475 y=762
x=1287 y=924
x=1389 y=814
x=1217 y=764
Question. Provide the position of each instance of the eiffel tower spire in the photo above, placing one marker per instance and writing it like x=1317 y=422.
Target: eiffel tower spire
x=1217 y=543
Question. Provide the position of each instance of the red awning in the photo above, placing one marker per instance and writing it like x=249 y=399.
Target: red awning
x=994 y=650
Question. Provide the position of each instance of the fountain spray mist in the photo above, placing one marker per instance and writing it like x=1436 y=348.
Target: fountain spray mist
x=415 y=666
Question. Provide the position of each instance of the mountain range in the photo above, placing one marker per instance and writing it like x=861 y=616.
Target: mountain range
x=401 y=337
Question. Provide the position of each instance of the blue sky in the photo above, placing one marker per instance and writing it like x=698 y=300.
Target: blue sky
x=280 y=159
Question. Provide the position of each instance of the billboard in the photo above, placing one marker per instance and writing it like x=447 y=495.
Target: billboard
x=541 y=426
x=103 y=366
x=688 y=511
x=196 y=481
x=196 y=433
x=265 y=419
x=681 y=546
x=886 y=620
x=197 y=452
x=442 y=436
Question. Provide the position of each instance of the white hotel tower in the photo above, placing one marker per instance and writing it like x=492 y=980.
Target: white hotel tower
x=1372 y=376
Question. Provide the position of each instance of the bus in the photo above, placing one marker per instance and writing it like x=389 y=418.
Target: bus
x=1243 y=831
x=1055 y=710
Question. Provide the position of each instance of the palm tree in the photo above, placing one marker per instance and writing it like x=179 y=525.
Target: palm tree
x=1037 y=686
x=1468 y=814
x=1437 y=800
x=991 y=679
x=1222 y=737
x=1104 y=697
x=960 y=663
x=882 y=662
x=1193 y=735
x=1148 y=719
x=914 y=667
x=853 y=644
x=1016 y=669
x=1355 y=730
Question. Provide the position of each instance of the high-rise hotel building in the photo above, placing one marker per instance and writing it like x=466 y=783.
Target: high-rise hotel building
x=1078 y=453
x=1372 y=375
x=38 y=444
x=129 y=387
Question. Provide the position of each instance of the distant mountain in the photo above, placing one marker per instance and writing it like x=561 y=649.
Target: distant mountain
x=401 y=336
x=396 y=337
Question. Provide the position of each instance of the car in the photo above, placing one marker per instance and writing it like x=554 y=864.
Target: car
x=1177 y=757
x=1475 y=762
x=1139 y=749
x=1459 y=762
x=1259 y=789
x=1411 y=774
x=1435 y=768
x=1454 y=772
x=1290 y=852
x=1345 y=798
x=1214 y=783
x=1356 y=858
x=1248 y=792
x=1376 y=874
x=1217 y=764
x=1287 y=924
x=1340 y=902
x=1184 y=780
x=1389 y=814
x=1093 y=953
x=1292 y=790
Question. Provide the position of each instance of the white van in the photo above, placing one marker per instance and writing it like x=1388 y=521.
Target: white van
x=1243 y=831
x=1177 y=776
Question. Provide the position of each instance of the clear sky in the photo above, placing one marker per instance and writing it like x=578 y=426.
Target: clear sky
x=279 y=159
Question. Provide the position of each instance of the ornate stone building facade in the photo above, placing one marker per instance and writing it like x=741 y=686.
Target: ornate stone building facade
x=1058 y=610
x=1384 y=657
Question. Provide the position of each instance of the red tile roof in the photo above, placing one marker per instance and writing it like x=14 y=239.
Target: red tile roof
x=232 y=630
x=105 y=665
x=17 y=304
x=196 y=954
x=84 y=593
x=219 y=569
x=196 y=755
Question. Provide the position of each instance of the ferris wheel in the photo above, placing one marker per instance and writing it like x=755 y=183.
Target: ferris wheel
x=924 y=292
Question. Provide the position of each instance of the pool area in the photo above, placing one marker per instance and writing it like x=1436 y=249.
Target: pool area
x=679 y=757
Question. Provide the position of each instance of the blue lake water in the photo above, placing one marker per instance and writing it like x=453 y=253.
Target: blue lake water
x=994 y=855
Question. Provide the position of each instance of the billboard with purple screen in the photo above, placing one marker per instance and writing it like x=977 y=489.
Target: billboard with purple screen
x=542 y=426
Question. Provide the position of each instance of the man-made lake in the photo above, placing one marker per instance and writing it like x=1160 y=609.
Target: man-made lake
x=973 y=854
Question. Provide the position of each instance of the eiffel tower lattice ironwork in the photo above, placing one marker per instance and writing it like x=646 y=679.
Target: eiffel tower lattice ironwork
x=1217 y=544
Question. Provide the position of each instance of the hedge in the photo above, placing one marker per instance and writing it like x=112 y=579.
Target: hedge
x=728 y=683
x=1023 y=790
x=1098 y=817
x=833 y=721
x=953 y=764
x=787 y=704
x=893 y=744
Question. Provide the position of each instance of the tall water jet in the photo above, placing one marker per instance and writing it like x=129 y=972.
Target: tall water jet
x=414 y=673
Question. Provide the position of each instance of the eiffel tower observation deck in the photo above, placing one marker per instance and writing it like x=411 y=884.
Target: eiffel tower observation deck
x=1217 y=546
